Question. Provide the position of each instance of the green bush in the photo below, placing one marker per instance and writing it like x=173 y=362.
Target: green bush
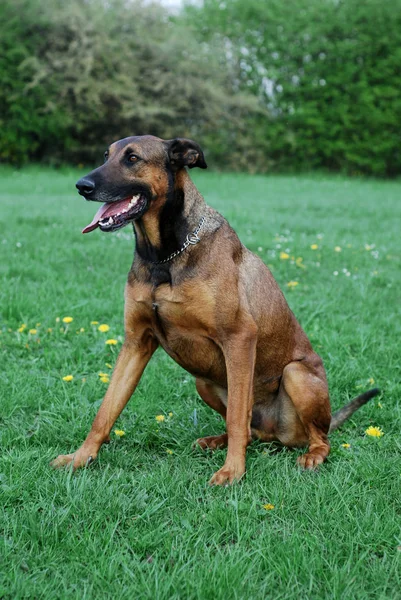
x=295 y=85
x=329 y=72
x=77 y=75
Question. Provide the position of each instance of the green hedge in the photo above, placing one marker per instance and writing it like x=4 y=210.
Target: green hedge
x=263 y=86
x=77 y=75
x=329 y=72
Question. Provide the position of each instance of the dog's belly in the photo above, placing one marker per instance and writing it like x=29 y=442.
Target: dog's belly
x=199 y=356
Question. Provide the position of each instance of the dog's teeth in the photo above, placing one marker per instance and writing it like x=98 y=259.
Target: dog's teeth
x=110 y=221
x=134 y=200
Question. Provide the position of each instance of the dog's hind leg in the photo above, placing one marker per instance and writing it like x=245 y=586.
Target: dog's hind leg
x=304 y=385
x=214 y=397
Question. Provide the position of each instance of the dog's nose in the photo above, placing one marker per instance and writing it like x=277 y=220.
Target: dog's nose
x=85 y=186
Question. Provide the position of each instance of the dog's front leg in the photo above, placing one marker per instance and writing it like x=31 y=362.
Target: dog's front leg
x=240 y=353
x=131 y=362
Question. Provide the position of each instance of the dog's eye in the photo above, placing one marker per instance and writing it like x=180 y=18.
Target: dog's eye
x=106 y=155
x=133 y=158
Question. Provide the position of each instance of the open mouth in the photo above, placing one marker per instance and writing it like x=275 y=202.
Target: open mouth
x=114 y=215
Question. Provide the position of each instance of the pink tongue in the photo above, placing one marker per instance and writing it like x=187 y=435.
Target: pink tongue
x=106 y=210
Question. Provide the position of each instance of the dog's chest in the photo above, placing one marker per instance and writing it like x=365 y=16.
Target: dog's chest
x=183 y=321
x=182 y=312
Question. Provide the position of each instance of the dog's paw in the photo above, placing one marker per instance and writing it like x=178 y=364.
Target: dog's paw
x=310 y=461
x=228 y=474
x=212 y=442
x=76 y=460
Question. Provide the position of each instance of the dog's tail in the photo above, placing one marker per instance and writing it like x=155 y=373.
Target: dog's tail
x=346 y=411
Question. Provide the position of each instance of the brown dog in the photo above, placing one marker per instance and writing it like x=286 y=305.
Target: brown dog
x=212 y=305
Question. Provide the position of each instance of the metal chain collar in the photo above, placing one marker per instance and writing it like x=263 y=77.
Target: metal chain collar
x=191 y=239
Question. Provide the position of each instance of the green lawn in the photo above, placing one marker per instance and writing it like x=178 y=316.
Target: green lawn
x=142 y=522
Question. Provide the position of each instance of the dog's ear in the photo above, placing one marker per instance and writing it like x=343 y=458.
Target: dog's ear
x=185 y=153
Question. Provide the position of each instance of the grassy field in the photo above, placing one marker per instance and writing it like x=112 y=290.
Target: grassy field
x=142 y=521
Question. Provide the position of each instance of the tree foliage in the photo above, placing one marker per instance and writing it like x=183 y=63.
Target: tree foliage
x=77 y=75
x=329 y=72
x=270 y=85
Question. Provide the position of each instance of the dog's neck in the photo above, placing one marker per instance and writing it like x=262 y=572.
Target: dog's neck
x=163 y=229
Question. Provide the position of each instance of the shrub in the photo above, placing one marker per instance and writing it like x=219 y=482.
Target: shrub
x=328 y=71
x=77 y=75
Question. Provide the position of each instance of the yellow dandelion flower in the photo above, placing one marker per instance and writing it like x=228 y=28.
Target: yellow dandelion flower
x=101 y=374
x=119 y=432
x=298 y=262
x=374 y=431
x=38 y=324
x=292 y=284
x=67 y=320
x=170 y=414
x=33 y=331
x=371 y=380
x=49 y=330
x=57 y=319
x=94 y=322
x=337 y=249
x=81 y=330
x=160 y=418
x=346 y=445
x=103 y=328
x=109 y=366
x=68 y=378
x=314 y=247
x=268 y=506
x=169 y=451
x=22 y=328
x=284 y=255
x=105 y=379
x=111 y=342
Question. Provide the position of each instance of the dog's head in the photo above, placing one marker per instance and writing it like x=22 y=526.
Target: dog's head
x=136 y=173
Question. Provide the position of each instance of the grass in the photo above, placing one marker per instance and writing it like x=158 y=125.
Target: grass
x=142 y=521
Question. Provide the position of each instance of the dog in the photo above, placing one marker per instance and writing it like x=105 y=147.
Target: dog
x=213 y=306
